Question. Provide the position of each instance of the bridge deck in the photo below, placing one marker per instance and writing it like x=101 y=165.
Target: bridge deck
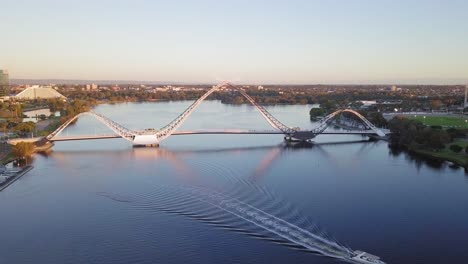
x=185 y=133
x=211 y=132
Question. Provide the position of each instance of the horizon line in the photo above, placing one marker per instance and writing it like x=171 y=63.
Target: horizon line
x=18 y=81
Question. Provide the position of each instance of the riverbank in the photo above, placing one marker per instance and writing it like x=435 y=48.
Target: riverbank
x=446 y=154
x=443 y=155
x=431 y=142
x=12 y=178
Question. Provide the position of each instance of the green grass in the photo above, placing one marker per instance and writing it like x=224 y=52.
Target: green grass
x=446 y=121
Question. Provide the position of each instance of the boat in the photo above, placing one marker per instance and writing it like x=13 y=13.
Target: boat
x=365 y=258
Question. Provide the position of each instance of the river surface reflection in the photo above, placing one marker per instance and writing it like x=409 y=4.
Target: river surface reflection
x=105 y=202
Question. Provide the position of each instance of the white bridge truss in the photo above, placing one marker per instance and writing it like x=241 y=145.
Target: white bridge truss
x=326 y=121
x=154 y=137
x=118 y=129
x=275 y=123
x=176 y=123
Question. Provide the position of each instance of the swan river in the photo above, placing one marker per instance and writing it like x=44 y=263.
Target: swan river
x=103 y=201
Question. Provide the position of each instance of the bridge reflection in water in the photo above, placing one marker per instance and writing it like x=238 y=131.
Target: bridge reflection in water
x=235 y=207
x=242 y=203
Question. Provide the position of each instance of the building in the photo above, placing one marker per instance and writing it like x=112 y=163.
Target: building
x=4 y=83
x=465 y=104
x=367 y=103
x=92 y=87
x=39 y=92
x=394 y=88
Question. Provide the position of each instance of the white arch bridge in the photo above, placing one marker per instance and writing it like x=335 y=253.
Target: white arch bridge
x=154 y=137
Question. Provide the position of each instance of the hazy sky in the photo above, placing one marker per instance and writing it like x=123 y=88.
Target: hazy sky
x=328 y=41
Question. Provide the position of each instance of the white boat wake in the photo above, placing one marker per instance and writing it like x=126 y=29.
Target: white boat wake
x=186 y=201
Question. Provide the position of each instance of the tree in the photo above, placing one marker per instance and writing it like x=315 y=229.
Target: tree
x=55 y=104
x=377 y=119
x=316 y=112
x=23 y=149
x=437 y=139
x=409 y=132
x=15 y=109
x=3 y=125
x=238 y=100
x=436 y=104
x=455 y=148
x=78 y=106
x=25 y=127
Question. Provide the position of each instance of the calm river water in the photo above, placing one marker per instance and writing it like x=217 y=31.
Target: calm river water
x=103 y=201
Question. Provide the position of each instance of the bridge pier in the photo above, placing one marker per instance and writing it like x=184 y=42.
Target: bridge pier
x=146 y=141
x=300 y=136
x=289 y=139
x=156 y=145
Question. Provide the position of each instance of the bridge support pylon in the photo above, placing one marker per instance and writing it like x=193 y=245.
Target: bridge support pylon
x=145 y=141
x=292 y=139
x=146 y=146
x=300 y=136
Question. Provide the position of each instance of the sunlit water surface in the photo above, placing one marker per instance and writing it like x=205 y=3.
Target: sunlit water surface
x=103 y=201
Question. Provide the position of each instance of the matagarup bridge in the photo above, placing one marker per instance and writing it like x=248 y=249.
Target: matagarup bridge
x=155 y=137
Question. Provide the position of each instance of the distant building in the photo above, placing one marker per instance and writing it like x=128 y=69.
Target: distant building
x=39 y=92
x=161 y=89
x=367 y=103
x=465 y=105
x=4 y=83
x=89 y=87
x=394 y=88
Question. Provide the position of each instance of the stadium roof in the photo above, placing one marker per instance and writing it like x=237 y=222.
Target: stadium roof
x=39 y=92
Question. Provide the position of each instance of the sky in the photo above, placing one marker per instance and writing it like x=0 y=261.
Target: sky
x=244 y=41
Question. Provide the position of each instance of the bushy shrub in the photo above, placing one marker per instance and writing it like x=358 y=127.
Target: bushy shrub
x=23 y=149
x=455 y=148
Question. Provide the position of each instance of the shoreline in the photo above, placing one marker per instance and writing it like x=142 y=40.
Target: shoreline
x=439 y=157
x=15 y=177
x=432 y=155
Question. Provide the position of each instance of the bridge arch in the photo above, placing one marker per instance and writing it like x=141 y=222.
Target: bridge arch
x=178 y=121
x=326 y=121
x=118 y=129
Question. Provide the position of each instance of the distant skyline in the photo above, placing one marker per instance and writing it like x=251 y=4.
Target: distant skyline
x=294 y=42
